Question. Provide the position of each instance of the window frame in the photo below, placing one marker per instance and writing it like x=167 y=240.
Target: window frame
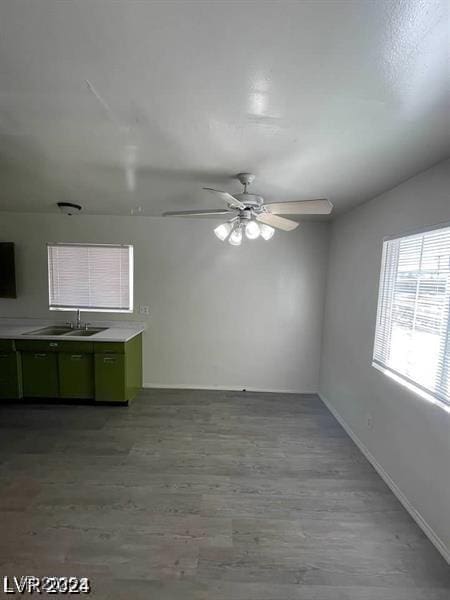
x=401 y=378
x=129 y=310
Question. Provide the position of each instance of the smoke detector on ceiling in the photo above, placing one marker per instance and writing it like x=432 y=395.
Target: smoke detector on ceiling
x=68 y=208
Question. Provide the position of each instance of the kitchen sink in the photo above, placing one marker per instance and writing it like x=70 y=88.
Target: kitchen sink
x=66 y=331
x=52 y=330
x=87 y=332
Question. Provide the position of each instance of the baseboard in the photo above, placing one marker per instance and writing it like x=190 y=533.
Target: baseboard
x=225 y=388
x=421 y=522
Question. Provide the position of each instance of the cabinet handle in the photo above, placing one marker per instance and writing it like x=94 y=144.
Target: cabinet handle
x=76 y=356
x=109 y=359
x=53 y=344
x=40 y=355
x=3 y=356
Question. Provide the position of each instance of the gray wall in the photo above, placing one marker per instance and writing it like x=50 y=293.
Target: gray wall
x=247 y=317
x=410 y=437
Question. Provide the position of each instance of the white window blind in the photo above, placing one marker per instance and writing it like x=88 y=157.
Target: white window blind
x=90 y=277
x=412 y=338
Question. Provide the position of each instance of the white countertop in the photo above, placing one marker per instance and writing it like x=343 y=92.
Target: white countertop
x=117 y=331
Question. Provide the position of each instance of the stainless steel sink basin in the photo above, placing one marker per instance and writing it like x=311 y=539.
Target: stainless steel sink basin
x=62 y=330
x=51 y=330
x=86 y=332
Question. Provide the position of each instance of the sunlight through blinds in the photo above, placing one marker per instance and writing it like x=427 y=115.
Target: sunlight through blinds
x=90 y=277
x=412 y=336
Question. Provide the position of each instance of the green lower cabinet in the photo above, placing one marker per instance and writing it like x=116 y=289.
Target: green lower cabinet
x=76 y=375
x=118 y=370
x=40 y=374
x=10 y=376
x=110 y=378
x=100 y=371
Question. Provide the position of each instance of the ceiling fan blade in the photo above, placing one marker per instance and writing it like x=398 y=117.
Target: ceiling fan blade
x=226 y=197
x=212 y=212
x=277 y=222
x=302 y=207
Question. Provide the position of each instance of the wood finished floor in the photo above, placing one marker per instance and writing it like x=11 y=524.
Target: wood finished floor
x=199 y=495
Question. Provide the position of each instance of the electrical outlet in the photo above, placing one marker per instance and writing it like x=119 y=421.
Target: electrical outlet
x=369 y=421
x=144 y=309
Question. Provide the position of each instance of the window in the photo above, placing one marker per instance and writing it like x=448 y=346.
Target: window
x=412 y=338
x=90 y=277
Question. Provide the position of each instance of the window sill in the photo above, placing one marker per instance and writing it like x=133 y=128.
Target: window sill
x=126 y=311
x=411 y=387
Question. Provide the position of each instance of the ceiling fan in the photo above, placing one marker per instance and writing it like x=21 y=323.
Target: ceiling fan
x=248 y=213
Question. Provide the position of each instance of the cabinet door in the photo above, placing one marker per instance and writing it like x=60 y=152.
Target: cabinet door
x=40 y=374
x=10 y=378
x=76 y=375
x=110 y=378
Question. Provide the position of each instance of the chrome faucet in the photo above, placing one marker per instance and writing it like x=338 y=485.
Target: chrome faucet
x=77 y=324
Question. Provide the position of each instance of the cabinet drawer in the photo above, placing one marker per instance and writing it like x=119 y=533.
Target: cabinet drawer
x=54 y=346
x=6 y=345
x=38 y=345
x=76 y=347
x=109 y=347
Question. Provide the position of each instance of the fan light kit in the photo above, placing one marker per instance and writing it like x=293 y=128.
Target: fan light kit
x=250 y=215
x=233 y=230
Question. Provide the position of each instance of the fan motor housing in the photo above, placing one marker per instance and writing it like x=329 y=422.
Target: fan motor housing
x=250 y=200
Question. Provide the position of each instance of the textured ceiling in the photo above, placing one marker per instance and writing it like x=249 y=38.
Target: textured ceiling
x=131 y=107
